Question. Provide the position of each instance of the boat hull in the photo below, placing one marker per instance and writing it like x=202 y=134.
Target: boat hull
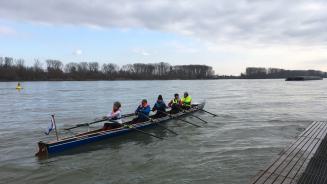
x=52 y=148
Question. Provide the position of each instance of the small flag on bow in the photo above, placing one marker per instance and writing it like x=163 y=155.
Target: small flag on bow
x=51 y=126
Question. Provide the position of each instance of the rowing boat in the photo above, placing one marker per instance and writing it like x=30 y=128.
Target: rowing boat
x=55 y=147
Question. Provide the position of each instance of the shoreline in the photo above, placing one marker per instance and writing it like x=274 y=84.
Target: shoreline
x=138 y=80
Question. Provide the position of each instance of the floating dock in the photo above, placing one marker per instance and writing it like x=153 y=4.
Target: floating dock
x=303 y=162
x=303 y=78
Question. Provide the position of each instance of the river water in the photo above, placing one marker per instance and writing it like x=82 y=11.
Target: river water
x=257 y=119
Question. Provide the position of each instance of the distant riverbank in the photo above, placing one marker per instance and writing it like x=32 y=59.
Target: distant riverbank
x=16 y=70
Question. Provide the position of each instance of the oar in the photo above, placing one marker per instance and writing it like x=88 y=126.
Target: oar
x=209 y=112
x=188 y=122
x=141 y=131
x=85 y=124
x=122 y=116
x=181 y=119
x=204 y=121
x=97 y=121
x=164 y=127
x=154 y=121
x=194 y=116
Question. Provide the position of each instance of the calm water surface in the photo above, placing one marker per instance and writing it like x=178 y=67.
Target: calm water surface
x=257 y=119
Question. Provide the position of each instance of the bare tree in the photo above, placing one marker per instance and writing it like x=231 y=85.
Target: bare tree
x=93 y=67
x=71 y=68
x=54 y=68
x=54 y=65
x=20 y=63
x=82 y=67
x=1 y=61
x=8 y=61
x=37 y=66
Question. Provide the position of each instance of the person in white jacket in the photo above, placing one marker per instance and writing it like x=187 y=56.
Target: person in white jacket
x=114 y=116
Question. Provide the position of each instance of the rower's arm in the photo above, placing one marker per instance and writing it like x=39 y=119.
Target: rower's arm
x=147 y=110
x=137 y=110
x=114 y=114
x=169 y=104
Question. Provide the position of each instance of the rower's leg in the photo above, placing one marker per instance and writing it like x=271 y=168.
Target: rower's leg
x=161 y=114
x=115 y=125
x=134 y=121
x=174 y=111
x=106 y=126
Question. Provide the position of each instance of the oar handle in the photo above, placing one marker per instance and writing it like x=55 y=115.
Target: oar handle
x=128 y=115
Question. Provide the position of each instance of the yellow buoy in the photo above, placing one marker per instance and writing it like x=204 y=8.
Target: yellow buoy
x=19 y=87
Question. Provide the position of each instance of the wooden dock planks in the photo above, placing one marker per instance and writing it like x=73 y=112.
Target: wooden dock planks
x=299 y=161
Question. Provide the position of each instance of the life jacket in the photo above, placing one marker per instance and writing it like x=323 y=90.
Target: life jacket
x=175 y=101
x=187 y=101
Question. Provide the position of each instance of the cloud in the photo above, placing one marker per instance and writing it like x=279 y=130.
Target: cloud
x=4 y=30
x=141 y=51
x=182 y=47
x=224 y=21
x=228 y=34
x=78 y=52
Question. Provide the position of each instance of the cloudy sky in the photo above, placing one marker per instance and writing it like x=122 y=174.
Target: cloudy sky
x=226 y=34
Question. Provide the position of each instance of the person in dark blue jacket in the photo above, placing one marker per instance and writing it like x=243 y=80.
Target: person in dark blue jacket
x=160 y=106
x=142 y=112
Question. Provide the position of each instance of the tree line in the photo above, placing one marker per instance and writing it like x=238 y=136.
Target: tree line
x=15 y=70
x=275 y=73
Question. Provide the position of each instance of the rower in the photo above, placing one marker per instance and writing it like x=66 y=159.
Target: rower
x=114 y=117
x=186 y=101
x=175 y=104
x=160 y=106
x=142 y=112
